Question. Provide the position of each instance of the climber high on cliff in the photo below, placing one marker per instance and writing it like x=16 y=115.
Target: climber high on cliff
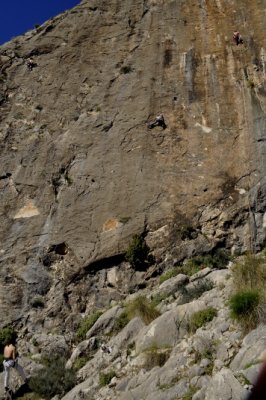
x=159 y=121
x=31 y=64
x=237 y=38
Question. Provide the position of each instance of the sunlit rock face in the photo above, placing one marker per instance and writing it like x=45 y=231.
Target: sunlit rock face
x=79 y=167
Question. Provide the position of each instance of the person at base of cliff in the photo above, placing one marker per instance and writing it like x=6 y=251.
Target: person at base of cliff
x=237 y=38
x=11 y=360
x=159 y=121
x=259 y=390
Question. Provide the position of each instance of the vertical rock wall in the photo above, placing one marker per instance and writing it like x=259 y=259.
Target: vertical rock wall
x=79 y=165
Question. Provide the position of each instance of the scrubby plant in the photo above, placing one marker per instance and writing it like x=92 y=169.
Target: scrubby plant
x=169 y=274
x=251 y=363
x=137 y=252
x=7 y=334
x=143 y=308
x=53 y=379
x=105 y=378
x=155 y=356
x=80 y=362
x=244 y=306
x=130 y=347
x=37 y=302
x=187 y=232
x=86 y=323
x=190 y=393
x=249 y=272
x=158 y=298
x=139 y=307
x=218 y=260
x=200 y=318
x=120 y=322
x=248 y=301
x=194 y=292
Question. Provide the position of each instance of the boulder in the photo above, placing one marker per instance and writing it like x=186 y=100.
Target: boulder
x=252 y=349
x=105 y=322
x=224 y=386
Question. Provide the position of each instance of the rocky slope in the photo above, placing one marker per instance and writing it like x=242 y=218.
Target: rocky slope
x=81 y=173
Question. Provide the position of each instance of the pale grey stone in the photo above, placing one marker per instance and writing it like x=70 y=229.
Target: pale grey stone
x=252 y=373
x=253 y=346
x=224 y=386
x=105 y=322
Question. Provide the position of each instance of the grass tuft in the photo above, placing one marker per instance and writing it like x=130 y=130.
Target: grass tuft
x=87 y=323
x=200 y=318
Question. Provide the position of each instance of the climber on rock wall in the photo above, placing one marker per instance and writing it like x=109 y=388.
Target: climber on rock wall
x=159 y=121
x=11 y=361
x=237 y=38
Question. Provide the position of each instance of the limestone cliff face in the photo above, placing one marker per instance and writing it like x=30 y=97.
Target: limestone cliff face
x=80 y=170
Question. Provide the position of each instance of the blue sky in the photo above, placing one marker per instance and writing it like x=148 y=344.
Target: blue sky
x=19 y=16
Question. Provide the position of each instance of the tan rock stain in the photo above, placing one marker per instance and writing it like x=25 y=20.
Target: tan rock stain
x=28 y=211
x=110 y=225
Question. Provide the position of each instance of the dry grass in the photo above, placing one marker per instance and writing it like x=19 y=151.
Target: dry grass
x=250 y=273
x=143 y=308
x=248 y=301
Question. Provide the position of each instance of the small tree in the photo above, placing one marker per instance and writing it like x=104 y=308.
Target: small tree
x=137 y=252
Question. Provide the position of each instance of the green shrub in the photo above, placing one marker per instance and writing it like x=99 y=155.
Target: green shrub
x=105 y=378
x=202 y=317
x=207 y=352
x=139 y=307
x=190 y=393
x=218 y=260
x=137 y=252
x=80 y=362
x=244 y=308
x=194 y=292
x=169 y=274
x=86 y=323
x=143 y=308
x=37 y=302
x=120 y=322
x=53 y=379
x=7 y=335
x=158 y=298
x=248 y=303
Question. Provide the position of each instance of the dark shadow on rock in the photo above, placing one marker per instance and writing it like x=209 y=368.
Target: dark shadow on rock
x=21 y=391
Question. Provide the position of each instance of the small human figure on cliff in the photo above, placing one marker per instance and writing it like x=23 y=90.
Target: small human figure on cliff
x=31 y=64
x=159 y=121
x=11 y=360
x=237 y=38
x=106 y=349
